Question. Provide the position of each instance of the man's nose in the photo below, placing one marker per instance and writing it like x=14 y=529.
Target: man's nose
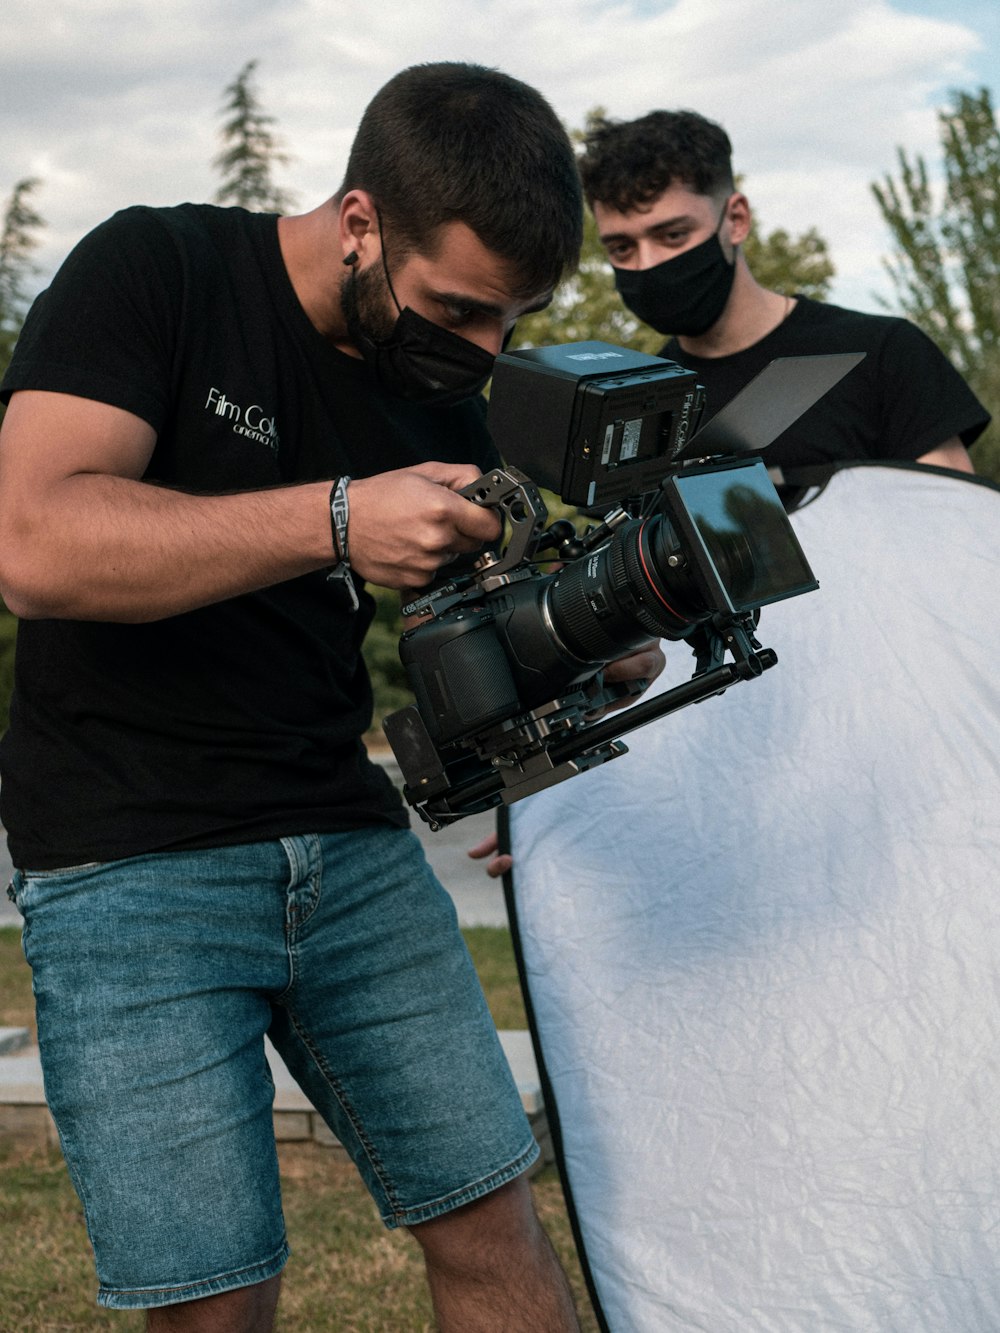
x=489 y=339
x=648 y=253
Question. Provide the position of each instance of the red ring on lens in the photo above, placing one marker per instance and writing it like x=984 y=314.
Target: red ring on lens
x=641 y=546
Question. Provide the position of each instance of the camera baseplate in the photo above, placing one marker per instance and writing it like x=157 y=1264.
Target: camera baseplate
x=547 y=745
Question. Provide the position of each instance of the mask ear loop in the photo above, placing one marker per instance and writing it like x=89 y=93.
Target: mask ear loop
x=385 y=266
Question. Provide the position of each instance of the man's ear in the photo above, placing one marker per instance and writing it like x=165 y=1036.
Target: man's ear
x=357 y=222
x=739 y=218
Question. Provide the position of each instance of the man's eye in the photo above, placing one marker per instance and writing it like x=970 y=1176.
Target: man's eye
x=457 y=315
x=618 y=251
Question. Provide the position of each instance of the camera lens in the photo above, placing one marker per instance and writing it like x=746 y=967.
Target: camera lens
x=636 y=587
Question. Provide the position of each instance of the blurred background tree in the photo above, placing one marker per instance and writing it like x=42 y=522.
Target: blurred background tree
x=18 y=240
x=381 y=652
x=250 y=150
x=946 y=266
x=790 y=264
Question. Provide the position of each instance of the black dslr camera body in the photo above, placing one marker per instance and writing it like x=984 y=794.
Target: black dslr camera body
x=506 y=666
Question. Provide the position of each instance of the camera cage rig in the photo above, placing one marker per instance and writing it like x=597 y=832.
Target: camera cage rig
x=541 y=746
x=598 y=424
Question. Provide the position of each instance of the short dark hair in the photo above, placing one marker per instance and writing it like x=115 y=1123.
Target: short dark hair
x=459 y=142
x=625 y=164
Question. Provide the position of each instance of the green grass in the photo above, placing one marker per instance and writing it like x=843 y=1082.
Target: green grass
x=17 y=1006
x=347 y=1273
x=493 y=954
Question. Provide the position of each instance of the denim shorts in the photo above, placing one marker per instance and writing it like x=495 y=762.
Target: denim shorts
x=156 y=979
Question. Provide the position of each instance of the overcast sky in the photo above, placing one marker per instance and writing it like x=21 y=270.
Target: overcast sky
x=112 y=102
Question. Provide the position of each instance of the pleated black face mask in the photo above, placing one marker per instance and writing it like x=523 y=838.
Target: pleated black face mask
x=417 y=360
x=684 y=295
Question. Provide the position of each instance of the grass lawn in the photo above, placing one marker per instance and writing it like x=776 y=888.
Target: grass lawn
x=347 y=1273
x=17 y=1007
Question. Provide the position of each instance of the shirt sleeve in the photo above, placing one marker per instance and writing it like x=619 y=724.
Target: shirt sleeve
x=105 y=327
x=923 y=400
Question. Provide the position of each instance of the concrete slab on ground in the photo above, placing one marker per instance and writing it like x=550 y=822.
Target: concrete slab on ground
x=13 y=1039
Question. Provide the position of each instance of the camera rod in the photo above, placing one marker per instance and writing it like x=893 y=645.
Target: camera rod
x=589 y=740
x=692 y=691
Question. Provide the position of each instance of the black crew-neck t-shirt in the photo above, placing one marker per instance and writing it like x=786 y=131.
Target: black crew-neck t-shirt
x=904 y=399
x=242 y=720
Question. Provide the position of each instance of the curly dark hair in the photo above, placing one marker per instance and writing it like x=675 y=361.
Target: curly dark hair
x=451 y=141
x=625 y=164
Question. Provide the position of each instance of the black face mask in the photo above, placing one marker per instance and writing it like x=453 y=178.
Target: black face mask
x=684 y=295
x=415 y=359
x=424 y=363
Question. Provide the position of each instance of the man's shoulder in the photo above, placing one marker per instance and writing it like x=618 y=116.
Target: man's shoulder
x=893 y=343
x=147 y=249
x=838 y=322
x=185 y=227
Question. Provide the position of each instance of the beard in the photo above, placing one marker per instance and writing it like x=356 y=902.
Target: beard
x=365 y=300
x=409 y=356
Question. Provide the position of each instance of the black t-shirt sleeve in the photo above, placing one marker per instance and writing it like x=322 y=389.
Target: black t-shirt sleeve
x=104 y=329
x=922 y=399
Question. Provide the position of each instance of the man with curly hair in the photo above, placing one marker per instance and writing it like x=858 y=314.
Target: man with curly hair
x=672 y=222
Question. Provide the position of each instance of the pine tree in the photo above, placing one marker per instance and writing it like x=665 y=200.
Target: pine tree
x=17 y=241
x=250 y=151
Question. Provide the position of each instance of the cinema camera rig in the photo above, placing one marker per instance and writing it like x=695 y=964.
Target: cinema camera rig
x=507 y=661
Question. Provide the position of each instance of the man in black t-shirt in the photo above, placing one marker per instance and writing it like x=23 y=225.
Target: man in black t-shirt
x=672 y=221
x=220 y=427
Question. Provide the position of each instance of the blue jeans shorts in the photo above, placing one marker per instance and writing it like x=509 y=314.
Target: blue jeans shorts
x=156 y=979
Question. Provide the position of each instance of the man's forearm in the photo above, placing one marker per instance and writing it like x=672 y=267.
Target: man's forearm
x=84 y=536
x=112 y=548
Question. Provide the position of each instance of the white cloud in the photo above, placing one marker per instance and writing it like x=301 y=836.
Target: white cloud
x=116 y=101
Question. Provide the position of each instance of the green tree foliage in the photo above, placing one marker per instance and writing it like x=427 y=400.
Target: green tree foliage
x=18 y=239
x=946 y=268
x=790 y=264
x=250 y=150
x=381 y=653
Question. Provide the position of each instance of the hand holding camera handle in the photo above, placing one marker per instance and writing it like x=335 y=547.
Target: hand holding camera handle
x=406 y=523
x=520 y=502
